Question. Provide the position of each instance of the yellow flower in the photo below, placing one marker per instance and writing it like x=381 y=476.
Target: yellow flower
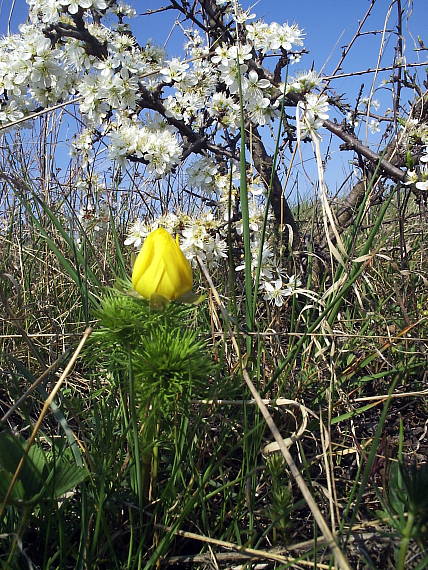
x=161 y=268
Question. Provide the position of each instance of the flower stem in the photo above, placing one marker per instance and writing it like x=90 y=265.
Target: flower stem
x=405 y=540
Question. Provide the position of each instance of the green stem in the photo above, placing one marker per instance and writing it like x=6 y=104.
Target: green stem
x=148 y=454
x=405 y=540
x=135 y=435
x=243 y=195
x=155 y=462
x=137 y=456
x=131 y=538
x=98 y=519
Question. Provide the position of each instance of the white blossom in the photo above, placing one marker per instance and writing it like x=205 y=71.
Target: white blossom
x=90 y=220
x=422 y=185
x=123 y=9
x=174 y=70
x=75 y=57
x=255 y=84
x=171 y=222
x=411 y=177
x=48 y=11
x=315 y=111
x=374 y=126
x=158 y=146
x=366 y=101
x=424 y=157
x=274 y=36
x=305 y=81
x=255 y=219
x=137 y=234
x=241 y=16
x=194 y=236
x=232 y=75
x=74 y=5
x=259 y=34
x=215 y=249
x=221 y=55
x=260 y=109
x=225 y=109
x=266 y=266
x=184 y=106
x=238 y=54
x=11 y=112
x=119 y=92
x=202 y=172
x=277 y=291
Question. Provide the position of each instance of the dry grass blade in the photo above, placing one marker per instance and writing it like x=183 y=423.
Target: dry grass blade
x=251 y=552
x=52 y=368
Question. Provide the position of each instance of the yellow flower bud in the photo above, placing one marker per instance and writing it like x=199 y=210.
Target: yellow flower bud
x=161 y=268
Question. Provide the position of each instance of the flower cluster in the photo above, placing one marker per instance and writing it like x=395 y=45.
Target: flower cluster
x=303 y=82
x=31 y=73
x=34 y=72
x=202 y=174
x=197 y=88
x=155 y=143
x=419 y=180
x=113 y=77
x=267 y=37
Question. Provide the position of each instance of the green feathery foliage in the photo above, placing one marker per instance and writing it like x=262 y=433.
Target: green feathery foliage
x=169 y=362
x=170 y=367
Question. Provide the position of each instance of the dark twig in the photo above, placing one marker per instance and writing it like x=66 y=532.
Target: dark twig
x=352 y=143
